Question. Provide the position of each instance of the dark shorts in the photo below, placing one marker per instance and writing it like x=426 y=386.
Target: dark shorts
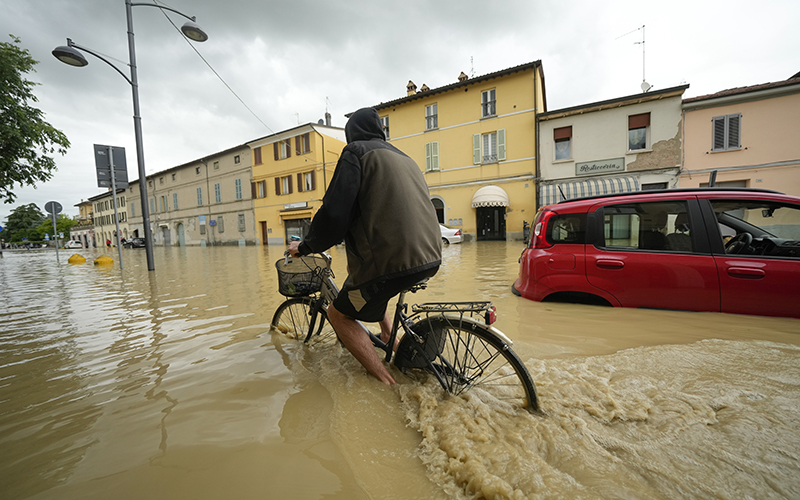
x=369 y=303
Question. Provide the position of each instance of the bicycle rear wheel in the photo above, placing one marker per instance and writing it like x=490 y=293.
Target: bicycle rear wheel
x=464 y=354
x=293 y=318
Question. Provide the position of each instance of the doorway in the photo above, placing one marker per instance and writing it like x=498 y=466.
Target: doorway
x=491 y=223
x=181 y=235
x=166 y=235
x=297 y=228
x=438 y=205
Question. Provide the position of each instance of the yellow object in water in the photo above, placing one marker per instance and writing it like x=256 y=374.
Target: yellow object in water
x=77 y=259
x=103 y=260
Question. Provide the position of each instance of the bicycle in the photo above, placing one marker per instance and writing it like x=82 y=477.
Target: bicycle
x=445 y=339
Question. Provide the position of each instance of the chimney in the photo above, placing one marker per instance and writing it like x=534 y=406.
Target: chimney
x=411 y=88
x=424 y=88
x=327 y=119
x=462 y=77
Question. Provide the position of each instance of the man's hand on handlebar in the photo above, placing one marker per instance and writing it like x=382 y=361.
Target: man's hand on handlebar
x=293 y=249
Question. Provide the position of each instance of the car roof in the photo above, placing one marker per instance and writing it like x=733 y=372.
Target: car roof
x=671 y=194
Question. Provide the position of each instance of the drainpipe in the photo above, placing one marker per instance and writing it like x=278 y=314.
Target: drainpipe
x=537 y=154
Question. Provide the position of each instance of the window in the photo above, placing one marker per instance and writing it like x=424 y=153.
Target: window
x=431 y=117
x=175 y=201
x=385 y=126
x=216 y=165
x=152 y=205
x=302 y=144
x=202 y=220
x=726 y=132
x=242 y=226
x=637 y=131
x=488 y=103
x=489 y=148
x=307 y=181
x=432 y=156
x=164 y=206
x=257 y=156
x=283 y=185
x=173 y=177
x=197 y=170
x=563 y=140
x=199 y=197
x=236 y=159
x=217 y=193
x=260 y=189
x=661 y=226
x=220 y=225
x=133 y=210
x=238 y=186
x=161 y=180
x=282 y=149
x=567 y=229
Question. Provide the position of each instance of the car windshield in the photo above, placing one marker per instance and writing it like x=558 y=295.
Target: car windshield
x=760 y=218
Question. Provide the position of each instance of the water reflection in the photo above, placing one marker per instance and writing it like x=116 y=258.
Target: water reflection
x=169 y=384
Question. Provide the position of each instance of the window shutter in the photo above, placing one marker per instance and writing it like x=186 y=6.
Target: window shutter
x=288 y=148
x=313 y=180
x=257 y=155
x=639 y=121
x=562 y=133
x=275 y=150
x=300 y=186
x=307 y=141
x=435 y=155
x=278 y=186
x=428 y=165
x=476 y=149
x=719 y=133
x=501 y=144
x=252 y=190
x=290 y=184
x=733 y=132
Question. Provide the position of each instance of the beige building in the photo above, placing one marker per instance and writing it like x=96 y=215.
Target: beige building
x=474 y=141
x=204 y=202
x=748 y=136
x=626 y=144
x=291 y=171
x=104 y=219
x=83 y=231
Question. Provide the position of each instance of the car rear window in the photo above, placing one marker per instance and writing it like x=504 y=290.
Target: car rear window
x=567 y=228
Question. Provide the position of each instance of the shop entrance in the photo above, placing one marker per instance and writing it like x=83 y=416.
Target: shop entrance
x=297 y=228
x=491 y=223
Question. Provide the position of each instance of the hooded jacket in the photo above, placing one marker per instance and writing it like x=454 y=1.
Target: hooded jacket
x=378 y=203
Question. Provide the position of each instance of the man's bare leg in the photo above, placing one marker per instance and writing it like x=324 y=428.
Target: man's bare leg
x=358 y=343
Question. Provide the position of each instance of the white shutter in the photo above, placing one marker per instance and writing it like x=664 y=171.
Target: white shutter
x=435 y=155
x=476 y=149
x=501 y=144
x=428 y=159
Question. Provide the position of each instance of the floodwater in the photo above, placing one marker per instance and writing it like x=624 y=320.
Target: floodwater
x=128 y=384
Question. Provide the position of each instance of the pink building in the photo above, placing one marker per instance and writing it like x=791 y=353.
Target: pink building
x=750 y=136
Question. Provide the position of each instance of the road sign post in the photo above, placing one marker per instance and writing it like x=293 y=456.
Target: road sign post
x=111 y=166
x=54 y=208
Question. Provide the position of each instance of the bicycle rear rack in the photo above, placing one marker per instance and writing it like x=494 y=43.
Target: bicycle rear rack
x=483 y=308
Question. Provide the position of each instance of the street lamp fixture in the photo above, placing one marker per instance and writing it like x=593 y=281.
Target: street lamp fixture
x=71 y=54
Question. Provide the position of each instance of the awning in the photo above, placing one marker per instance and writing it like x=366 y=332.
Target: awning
x=552 y=193
x=490 y=196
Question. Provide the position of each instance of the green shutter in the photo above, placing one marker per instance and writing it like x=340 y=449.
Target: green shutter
x=501 y=144
x=476 y=149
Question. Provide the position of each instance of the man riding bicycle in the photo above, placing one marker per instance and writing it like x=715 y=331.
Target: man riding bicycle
x=378 y=203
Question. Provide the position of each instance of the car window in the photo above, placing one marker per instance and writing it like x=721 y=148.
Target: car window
x=758 y=228
x=661 y=226
x=567 y=228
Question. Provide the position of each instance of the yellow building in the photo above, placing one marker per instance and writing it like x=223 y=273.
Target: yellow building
x=475 y=142
x=291 y=171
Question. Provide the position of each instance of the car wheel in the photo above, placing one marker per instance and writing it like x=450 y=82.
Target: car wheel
x=445 y=242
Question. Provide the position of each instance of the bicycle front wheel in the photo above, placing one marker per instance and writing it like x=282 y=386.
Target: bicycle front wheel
x=293 y=318
x=464 y=354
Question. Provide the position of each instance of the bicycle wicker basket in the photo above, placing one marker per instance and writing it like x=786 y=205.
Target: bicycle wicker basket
x=300 y=276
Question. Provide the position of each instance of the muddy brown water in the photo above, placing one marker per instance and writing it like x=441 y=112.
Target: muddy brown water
x=129 y=384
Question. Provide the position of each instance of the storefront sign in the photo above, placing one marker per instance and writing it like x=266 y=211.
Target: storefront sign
x=292 y=206
x=600 y=166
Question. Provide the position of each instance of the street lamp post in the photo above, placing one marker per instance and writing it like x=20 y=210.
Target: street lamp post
x=69 y=55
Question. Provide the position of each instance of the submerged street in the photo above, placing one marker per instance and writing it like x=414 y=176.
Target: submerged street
x=170 y=384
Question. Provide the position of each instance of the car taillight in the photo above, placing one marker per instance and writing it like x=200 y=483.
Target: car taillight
x=539 y=238
x=458 y=232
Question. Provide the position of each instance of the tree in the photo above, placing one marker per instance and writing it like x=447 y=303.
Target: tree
x=22 y=223
x=63 y=224
x=27 y=142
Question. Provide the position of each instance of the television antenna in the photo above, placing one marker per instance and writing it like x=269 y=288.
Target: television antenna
x=644 y=86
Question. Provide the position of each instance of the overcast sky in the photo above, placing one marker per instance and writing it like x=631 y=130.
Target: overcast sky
x=289 y=61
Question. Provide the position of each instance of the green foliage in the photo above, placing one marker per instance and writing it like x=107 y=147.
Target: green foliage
x=27 y=142
x=23 y=223
x=63 y=224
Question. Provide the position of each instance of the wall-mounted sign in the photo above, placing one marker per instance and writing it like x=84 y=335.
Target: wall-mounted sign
x=600 y=166
x=301 y=204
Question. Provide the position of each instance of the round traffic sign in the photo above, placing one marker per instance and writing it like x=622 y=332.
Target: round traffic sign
x=53 y=207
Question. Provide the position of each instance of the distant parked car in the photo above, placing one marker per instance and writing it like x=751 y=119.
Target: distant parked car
x=73 y=244
x=134 y=243
x=450 y=235
x=716 y=249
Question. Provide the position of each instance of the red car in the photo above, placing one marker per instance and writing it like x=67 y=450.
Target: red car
x=712 y=249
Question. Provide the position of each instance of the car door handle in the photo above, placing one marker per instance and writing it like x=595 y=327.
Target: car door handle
x=746 y=272
x=610 y=264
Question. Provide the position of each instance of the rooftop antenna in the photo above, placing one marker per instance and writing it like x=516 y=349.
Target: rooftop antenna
x=471 y=67
x=644 y=86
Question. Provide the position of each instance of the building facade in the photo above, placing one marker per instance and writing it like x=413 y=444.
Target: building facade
x=291 y=171
x=474 y=142
x=747 y=136
x=105 y=220
x=205 y=202
x=83 y=231
x=619 y=145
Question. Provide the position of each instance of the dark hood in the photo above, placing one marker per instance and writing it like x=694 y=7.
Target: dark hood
x=363 y=125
